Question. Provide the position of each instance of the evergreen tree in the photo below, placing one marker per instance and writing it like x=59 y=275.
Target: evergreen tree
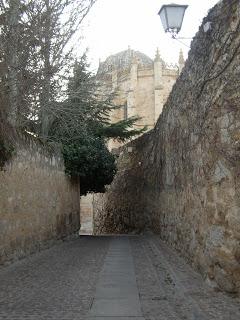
x=35 y=59
x=83 y=127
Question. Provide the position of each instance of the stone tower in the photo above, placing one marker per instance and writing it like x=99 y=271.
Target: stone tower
x=142 y=85
x=158 y=85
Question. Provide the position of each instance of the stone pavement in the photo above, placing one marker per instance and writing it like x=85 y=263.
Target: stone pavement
x=122 y=278
x=116 y=291
x=58 y=283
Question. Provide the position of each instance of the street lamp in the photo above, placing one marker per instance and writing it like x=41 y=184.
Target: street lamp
x=171 y=16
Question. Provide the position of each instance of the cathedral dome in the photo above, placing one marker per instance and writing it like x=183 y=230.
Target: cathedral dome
x=123 y=60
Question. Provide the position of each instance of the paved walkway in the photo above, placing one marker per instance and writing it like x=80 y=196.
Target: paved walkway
x=107 y=278
x=116 y=294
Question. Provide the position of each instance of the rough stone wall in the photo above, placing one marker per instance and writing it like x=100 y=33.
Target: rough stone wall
x=98 y=204
x=121 y=208
x=38 y=203
x=182 y=179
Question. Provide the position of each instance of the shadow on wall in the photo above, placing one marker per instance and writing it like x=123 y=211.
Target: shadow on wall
x=182 y=179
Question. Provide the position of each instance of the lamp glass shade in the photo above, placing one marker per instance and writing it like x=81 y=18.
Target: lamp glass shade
x=172 y=16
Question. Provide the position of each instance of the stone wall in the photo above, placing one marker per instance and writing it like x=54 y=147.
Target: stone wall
x=98 y=207
x=121 y=208
x=182 y=179
x=38 y=203
x=91 y=208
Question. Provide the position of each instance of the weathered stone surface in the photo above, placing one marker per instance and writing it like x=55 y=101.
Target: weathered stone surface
x=38 y=203
x=182 y=179
x=116 y=275
x=142 y=86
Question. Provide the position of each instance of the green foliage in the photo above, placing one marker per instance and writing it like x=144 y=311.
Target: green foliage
x=120 y=130
x=89 y=159
x=82 y=126
x=35 y=63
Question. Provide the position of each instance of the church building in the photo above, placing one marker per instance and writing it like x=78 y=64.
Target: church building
x=142 y=85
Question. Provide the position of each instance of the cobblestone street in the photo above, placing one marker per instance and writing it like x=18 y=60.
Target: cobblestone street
x=135 y=277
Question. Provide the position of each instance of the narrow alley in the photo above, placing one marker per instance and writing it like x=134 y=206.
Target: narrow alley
x=114 y=277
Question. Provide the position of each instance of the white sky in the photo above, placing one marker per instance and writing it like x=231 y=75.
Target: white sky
x=113 y=25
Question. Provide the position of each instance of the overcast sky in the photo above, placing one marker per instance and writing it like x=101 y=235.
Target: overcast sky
x=113 y=25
